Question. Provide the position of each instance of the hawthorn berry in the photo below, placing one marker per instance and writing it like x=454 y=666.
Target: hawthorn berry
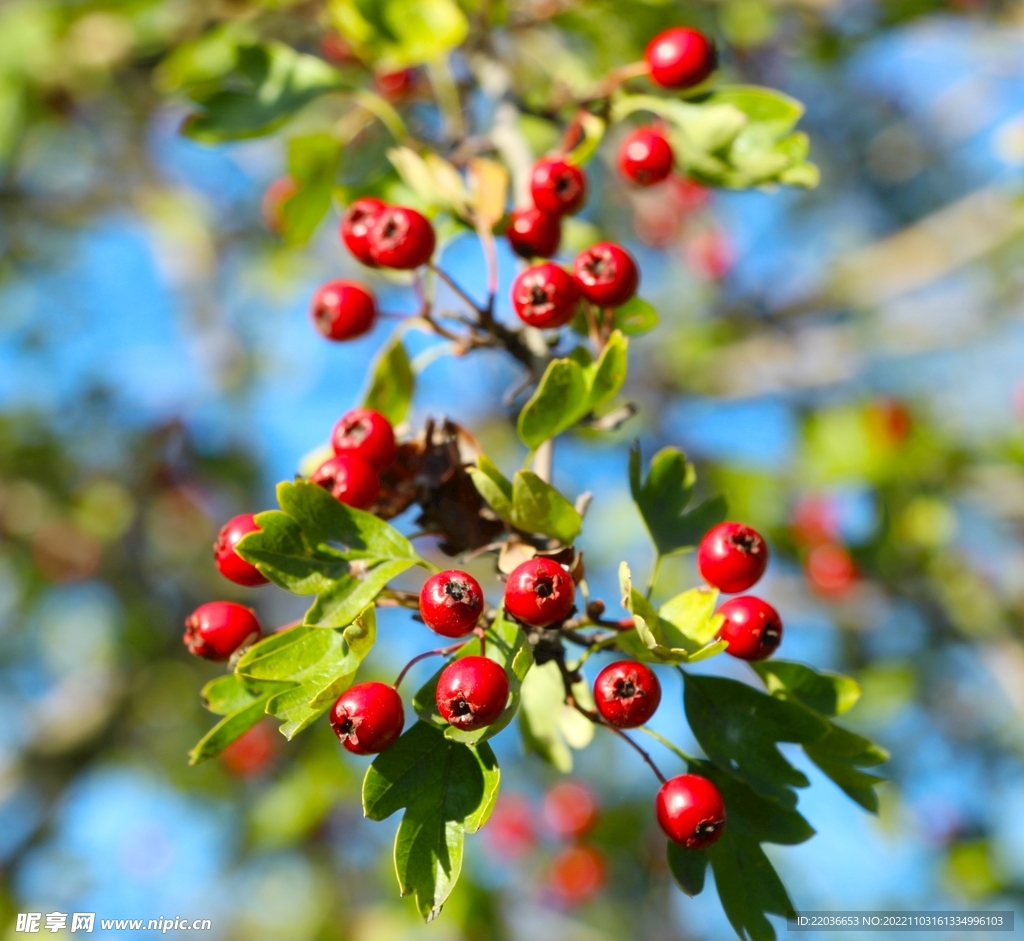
x=349 y=479
x=217 y=629
x=230 y=564
x=368 y=717
x=394 y=85
x=356 y=224
x=606 y=274
x=545 y=296
x=362 y=432
x=690 y=810
x=577 y=874
x=539 y=592
x=752 y=628
x=401 y=238
x=569 y=809
x=451 y=602
x=732 y=556
x=343 y=310
x=534 y=233
x=646 y=157
x=627 y=693
x=680 y=57
x=558 y=187
x=472 y=692
x=830 y=569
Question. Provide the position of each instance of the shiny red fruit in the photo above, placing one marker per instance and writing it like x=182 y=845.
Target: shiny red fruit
x=545 y=296
x=533 y=233
x=681 y=57
x=606 y=274
x=627 y=693
x=646 y=157
x=349 y=479
x=368 y=718
x=577 y=874
x=217 y=629
x=451 y=603
x=691 y=811
x=343 y=310
x=539 y=592
x=230 y=564
x=356 y=224
x=472 y=692
x=364 y=433
x=732 y=556
x=401 y=238
x=558 y=188
x=569 y=809
x=752 y=628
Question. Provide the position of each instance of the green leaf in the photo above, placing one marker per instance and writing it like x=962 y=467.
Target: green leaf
x=340 y=603
x=593 y=129
x=635 y=317
x=692 y=615
x=739 y=727
x=282 y=553
x=493 y=486
x=228 y=729
x=269 y=83
x=775 y=110
x=507 y=646
x=840 y=755
x=537 y=507
x=663 y=497
x=569 y=390
x=398 y=33
x=312 y=165
x=227 y=694
x=447 y=789
x=831 y=694
x=687 y=867
x=548 y=725
x=393 y=383
x=318 y=664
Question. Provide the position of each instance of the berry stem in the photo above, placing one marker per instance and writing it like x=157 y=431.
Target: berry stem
x=438 y=652
x=597 y=720
x=444 y=276
x=672 y=747
x=481 y=633
x=655 y=570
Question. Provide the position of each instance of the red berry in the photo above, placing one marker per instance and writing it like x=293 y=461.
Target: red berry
x=690 y=810
x=395 y=85
x=364 y=433
x=229 y=562
x=472 y=692
x=545 y=296
x=732 y=556
x=558 y=188
x=533 y=232
x=752 y=628
x=451 y=602
x=350 y=480
x=627 y=693
x=343 y=310
x=681 y=57
x=253 y=750
x=401 y=238
x=539 y=592
x=830 y=569
x=577 y=874
x=646 y=157
x=511 y=832
x=606 y=274
x=570 y=809
x=368 y=718
x=356 y=224
x=217 y=629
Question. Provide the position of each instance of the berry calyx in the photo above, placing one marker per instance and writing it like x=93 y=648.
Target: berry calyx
x=732 y=557
x=752 y=628
x=364 y=433
x=627 y=693
x=217 y=629
x=368 y=718
x=472 y=692
x=606 y=274
x=545 y=296
x=451 y=602
x=690 y=810
x=343 y=310
x=558 y=187
x=533 y=233
x=539 y=592
x=401 y=238
x=230 y=564
x=356 y=224
x=680 y=57
x=646 y=157
x=349 y=479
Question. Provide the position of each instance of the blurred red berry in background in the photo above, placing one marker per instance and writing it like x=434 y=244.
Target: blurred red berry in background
x=830 y=569
x=511 y=832
x=252 y=752
x=570 y=809
x=577 y=874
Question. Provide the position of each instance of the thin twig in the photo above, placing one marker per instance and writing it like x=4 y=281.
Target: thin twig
x=597 y=720
x=447 y=278
x=439 y=652
x=671 y=746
